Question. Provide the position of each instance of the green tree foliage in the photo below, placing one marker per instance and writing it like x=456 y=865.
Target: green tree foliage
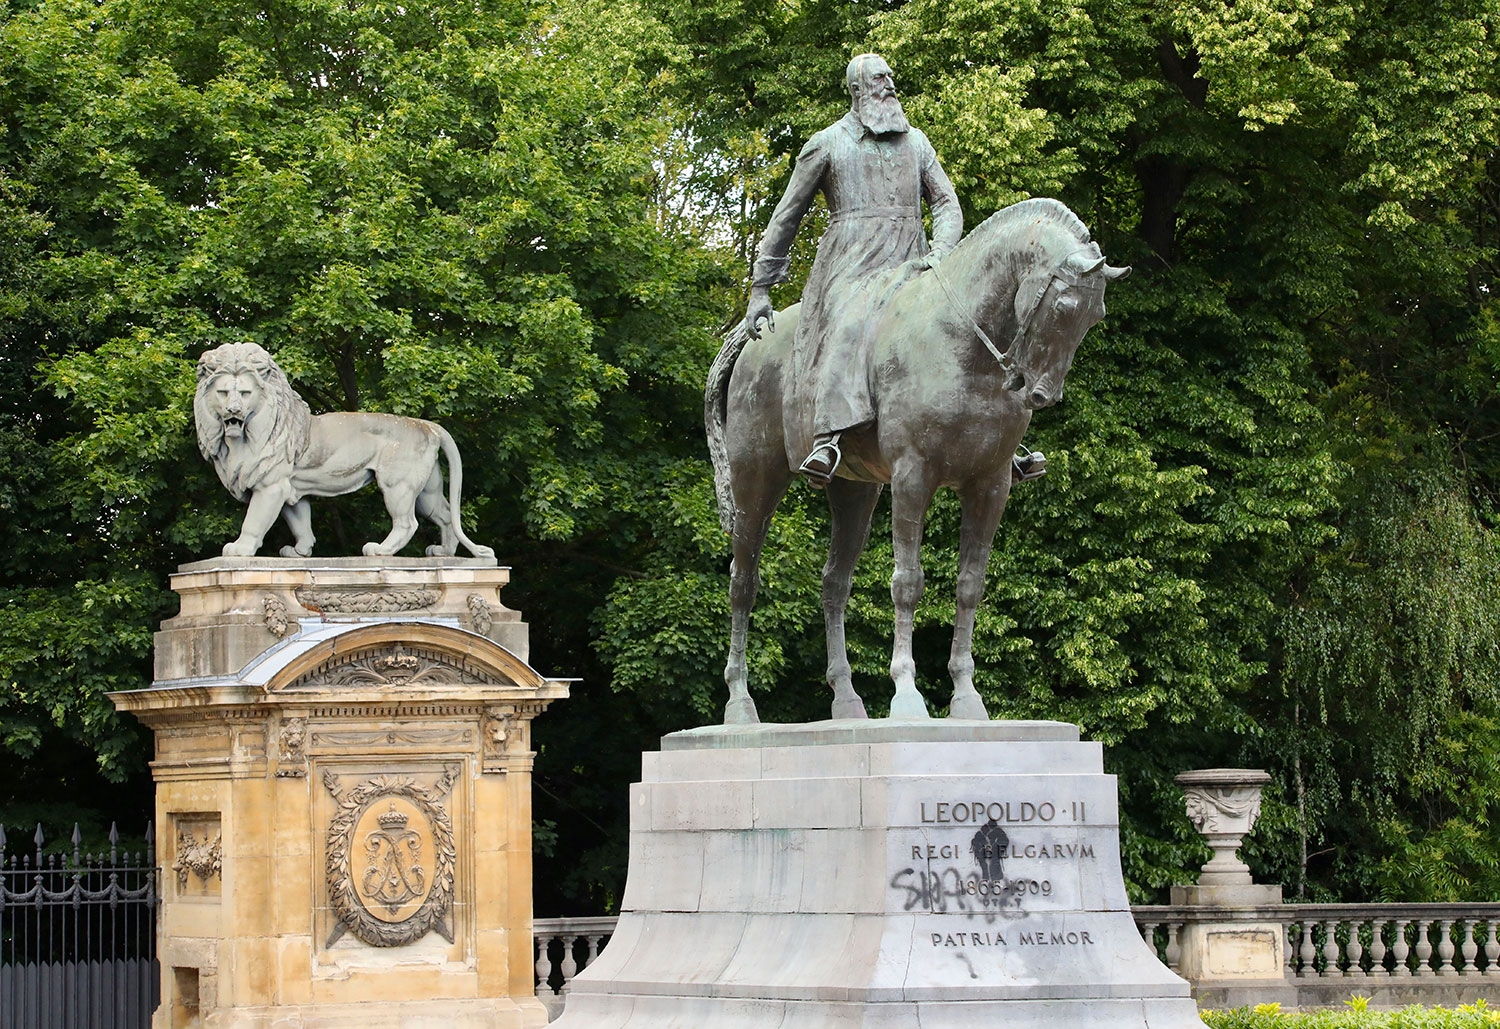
x=1264 y=536
x=443 y=211
x=1306 y=198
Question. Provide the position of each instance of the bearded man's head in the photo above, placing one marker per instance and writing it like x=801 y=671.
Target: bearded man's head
x=872 y=95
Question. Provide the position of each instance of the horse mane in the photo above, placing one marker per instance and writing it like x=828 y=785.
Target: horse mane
x=1048 y=210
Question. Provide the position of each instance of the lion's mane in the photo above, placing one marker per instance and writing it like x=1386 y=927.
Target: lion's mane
x=275 y=435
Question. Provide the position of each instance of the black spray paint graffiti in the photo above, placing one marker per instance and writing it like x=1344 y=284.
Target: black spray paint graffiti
x=985 y=890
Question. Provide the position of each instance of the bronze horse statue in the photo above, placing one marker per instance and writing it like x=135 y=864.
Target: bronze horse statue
x=951 y=411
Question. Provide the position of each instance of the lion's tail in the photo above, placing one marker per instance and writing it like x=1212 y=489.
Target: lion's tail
x=715 y=408
x=455 y=492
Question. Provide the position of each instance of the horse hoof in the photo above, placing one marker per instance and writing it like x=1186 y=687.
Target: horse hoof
x=849 y=707
x=968 y=706
x=741 y=711
x=908 y=704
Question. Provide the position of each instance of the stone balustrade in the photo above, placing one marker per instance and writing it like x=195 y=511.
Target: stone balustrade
x=1397 y=954
x=564 y=947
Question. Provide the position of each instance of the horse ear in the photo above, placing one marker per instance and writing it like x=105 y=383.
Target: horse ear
x=1082 y=264
x=1113 y=274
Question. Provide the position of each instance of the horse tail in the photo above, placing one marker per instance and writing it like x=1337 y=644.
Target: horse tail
x=715 y=410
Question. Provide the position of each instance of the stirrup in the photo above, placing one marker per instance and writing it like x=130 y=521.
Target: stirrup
x=1030 y=465
x=813 y=467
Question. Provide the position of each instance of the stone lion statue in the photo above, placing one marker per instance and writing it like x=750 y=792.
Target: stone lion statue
x=270 y=449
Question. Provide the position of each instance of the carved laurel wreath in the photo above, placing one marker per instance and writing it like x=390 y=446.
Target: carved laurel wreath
x=353 y=916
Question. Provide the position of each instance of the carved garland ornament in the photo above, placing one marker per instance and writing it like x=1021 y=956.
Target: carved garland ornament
x=204 y=858
x=278 y=622
x=358 y=600
x=390 y=882
x=480 y=615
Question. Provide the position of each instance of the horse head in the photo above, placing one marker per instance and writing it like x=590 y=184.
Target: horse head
x=1055 y=305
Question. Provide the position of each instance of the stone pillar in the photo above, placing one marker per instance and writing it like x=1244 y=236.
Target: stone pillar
x=343 y=790
x=1231 y=953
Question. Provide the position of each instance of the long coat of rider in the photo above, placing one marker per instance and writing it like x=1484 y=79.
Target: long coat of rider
x=874 y=170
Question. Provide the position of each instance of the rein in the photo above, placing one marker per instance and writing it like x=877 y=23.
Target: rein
x=1007 y=360
x=1007 y=363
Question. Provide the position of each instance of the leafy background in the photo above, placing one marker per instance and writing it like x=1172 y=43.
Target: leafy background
x=1267 y=533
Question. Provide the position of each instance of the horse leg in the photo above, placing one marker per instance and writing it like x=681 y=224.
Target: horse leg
x=852 y=504
x=910 y=495
x=755 y=502
x=982 y=508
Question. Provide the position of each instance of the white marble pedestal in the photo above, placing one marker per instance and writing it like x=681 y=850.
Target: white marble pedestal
x=876 y=874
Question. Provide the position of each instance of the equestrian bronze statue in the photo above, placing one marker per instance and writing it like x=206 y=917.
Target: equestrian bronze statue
x=888 y=372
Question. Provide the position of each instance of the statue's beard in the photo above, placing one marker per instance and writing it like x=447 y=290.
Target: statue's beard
x=882 y=114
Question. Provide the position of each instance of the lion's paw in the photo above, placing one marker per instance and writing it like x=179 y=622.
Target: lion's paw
x=294 y=552
x=374 y=550
x=237 y=549
x=483 y=551
x=438 y=550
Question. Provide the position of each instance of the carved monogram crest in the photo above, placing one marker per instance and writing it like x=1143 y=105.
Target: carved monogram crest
x=391 y=858
x=394 y=665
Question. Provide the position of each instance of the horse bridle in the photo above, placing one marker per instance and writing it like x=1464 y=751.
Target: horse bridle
x=1006 y=360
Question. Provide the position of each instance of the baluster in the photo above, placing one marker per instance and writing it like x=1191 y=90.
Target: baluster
x=596 y=940
x=1356 y=950
x=1424 y=947
x=543 y=964
x=1308 y=952
x=1491 y=949
x=1330 y=948
x=1289 y=949
x=1470 y=949
x=1377 y=947
x=1399 y=949
x=569 y=965
x=1148 y=933
x=1174 y=948
x=1445 y=947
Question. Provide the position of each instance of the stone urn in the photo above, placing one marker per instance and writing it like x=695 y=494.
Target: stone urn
x=1223 y=803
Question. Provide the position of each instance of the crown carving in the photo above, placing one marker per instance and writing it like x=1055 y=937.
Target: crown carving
x=392 y=819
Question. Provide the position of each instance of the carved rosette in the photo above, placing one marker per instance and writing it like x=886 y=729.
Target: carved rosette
x=391 y=857
x=1223 y=804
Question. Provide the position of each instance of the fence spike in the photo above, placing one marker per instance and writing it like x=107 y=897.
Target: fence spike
x=114 y=841
x=77 y=845
x=150 y=844
x=39 y=839
x=2 y=840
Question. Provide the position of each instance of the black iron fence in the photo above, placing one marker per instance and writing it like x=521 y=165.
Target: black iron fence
x=77 y=936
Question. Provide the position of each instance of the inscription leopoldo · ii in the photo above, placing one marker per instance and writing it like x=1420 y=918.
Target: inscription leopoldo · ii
x=1001 y=811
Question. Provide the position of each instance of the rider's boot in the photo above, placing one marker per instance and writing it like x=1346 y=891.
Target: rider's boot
x=823 y=461
x=1027 y=466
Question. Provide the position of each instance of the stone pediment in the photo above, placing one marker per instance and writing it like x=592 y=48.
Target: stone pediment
x=395 y=666
x=402 y=656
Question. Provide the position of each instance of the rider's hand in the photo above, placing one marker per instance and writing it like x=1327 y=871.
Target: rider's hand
x=760 y=308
